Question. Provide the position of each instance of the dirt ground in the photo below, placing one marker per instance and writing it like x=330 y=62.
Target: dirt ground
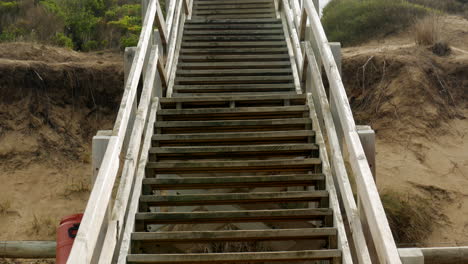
x=52 y=101
x=418 y=104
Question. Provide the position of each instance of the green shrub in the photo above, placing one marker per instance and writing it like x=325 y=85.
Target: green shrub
x=7 y=7
x=80 y=24
x=12 y=33
x=355 y=21
x=450 y=6
x=91 y=45
x=63 y=41
x=129 y=40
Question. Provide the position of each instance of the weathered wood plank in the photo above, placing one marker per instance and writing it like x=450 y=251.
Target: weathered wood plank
x=243 y=93
x=268 y=122
x=258 y=87
x=233 y=44
x=226 y=182
x=234 y=79
x=237 y=16
x=233 y=21
x=246 y=31
x=193 y=167
x=238 y=110
x=257 y=99
x=232 y=198
x=238 y=50
x=161 y=24
x=226 y=149
x=27 y=249
x=234 y=216
x=240 y=38
x=237 y=65
x=128 y=171
x=235 y=136
x=231 y=26
x=234 y=235
x=237 y=72
x=123 y=250
x=338 y=165
x=236 y=257
x=252 y=11
x=240 y=6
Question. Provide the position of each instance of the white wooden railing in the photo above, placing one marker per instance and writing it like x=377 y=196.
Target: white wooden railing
x=311 y=50
x=104 y=228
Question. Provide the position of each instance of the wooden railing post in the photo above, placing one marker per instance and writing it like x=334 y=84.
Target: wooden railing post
x=411 y=256
x=367 y=137
x=99 y=146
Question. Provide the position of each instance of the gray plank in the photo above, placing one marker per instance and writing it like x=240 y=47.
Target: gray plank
x=236 y=257
x=232 y=198
x=234 y=216
x=234 y=181
x=257 y=98
x=233 y=148
x=234 y=235
x=246 y=110
x=269 y=122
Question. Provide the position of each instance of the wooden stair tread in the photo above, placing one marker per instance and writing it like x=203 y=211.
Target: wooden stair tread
x=198 y=166
x=237 y=79
x=268 y=10
x=230 y=6
x=235 y=257
x=247 y=38
x=232 y=32
x=237 y=65
x=237 y=16
x=228 y=123
x=246 y=93
x=232 y=44
x=234 y=235
x=235 y=98
x=232 y=198
x=231 y=148
x=227 y=51
x=232 y=86
x=243 y=110
x=234 y=136
x=238 y=72
x=232 y=26
x=285 y=215
x=233 y=1
x=237 y=181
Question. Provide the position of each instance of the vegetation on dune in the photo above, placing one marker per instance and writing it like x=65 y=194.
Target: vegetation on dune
x=411 y=217
x=355 y=21
x=79 y=24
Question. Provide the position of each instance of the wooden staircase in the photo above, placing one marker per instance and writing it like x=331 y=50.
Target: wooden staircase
x=234 y=174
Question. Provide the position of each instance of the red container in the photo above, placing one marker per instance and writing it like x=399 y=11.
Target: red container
x=66 y=234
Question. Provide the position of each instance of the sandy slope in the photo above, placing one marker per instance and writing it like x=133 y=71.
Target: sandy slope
x=418 y=103
x=52 y=101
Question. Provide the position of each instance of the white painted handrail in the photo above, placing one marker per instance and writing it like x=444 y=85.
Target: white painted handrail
x=98 y=238
x=366 y=188
x=338 y=165
x=116 y=224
